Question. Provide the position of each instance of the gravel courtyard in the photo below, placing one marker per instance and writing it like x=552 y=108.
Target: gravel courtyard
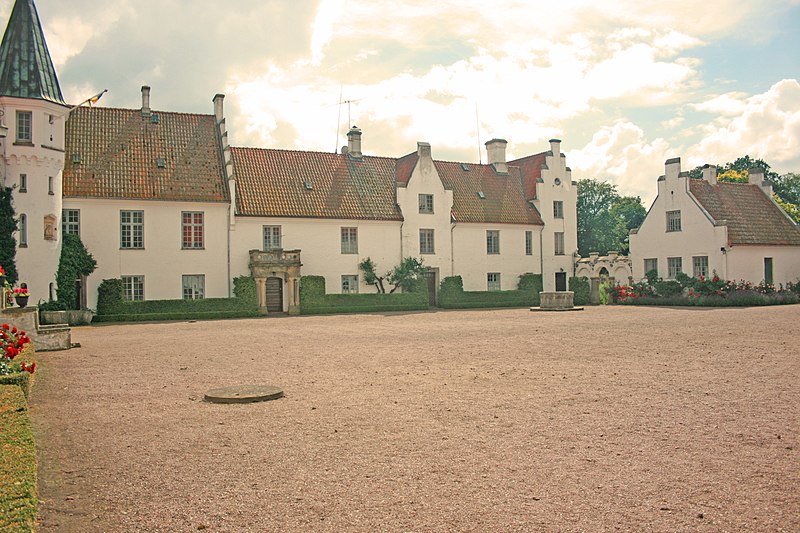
x=505 y=420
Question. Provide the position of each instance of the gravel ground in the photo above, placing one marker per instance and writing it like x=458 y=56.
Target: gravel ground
x=506 y=420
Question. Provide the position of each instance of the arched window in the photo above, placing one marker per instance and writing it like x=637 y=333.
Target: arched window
x=604 y=272
x=23 y=230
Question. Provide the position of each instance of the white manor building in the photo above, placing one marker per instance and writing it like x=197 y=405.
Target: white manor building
x=163 y=202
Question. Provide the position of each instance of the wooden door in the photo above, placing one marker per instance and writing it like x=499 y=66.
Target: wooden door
x=274 y=295
x=430 y=278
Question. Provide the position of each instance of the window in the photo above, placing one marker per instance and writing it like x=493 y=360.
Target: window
x=558 y=209
x=50 y=185
x=673 y=220
x=558 y=243
x=700 y=266
x=768 y=277
x=192 y=229
x=349 y=240
x=24 y=125
x=23 y=183
x=131 y=224
x=492 y=241
x=71 y=222
x=194 y=287
x=272 y=238
x=528 y=243
x=23 y=230
x=133 y=287
x=674 y=266
x=493 y=281
x=426 y=203
x=426 y=241
x=650 y=264
x=349 y=284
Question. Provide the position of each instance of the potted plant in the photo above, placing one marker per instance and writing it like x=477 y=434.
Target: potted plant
x=21 y=295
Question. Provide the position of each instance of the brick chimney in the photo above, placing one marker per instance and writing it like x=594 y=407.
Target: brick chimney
x=555 y=147
x=710 y=174
x=354 y=142
x=146 y=100
x=496 y=155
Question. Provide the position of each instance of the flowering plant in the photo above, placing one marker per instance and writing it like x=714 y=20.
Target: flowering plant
x=2 y=272
x=22 y=291
x=12 y=342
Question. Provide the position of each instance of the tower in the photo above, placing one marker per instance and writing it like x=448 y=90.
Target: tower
x=34 y=112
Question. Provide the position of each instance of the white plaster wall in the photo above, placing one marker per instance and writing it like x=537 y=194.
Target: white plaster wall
x=319 y=242
x=37 y=263
x=698 y=235
x=547 y=193
x=472 y=263
x=747 y=262
x=162 y=262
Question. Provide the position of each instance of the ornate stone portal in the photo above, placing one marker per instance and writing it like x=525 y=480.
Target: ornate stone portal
x=277 y=275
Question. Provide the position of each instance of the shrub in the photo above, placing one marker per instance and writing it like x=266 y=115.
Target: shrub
x=531 y=282
x=453 y=296
x=18 y=499
x=313 y=299
x=244 y=288
x=668 y=287
x=581 y=288
x=75 y=261
x=110 y=296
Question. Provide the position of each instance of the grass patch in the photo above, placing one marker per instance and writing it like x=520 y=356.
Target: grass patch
x=18 y=498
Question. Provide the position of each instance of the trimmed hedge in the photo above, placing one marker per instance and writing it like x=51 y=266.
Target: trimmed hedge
x=581 y=289
x=21 y=379
x=111 y=307
x=735 y=299
x=313 y=299
x=453 y=296
x=18 y=499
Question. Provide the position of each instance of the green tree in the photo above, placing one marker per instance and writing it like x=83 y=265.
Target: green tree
x=605 y=218
x=75 y=261
x=8 y=225
x=631 y=210
x=403 y=276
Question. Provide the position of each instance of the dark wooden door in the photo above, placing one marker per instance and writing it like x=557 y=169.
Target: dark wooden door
x=274 y=295
x=561 y=281
x=430 y=277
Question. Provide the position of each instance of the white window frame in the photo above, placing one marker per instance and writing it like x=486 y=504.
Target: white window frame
x=23 y=230
x=493 y=241
x=349 y=239
x=558 y=209
x=272 y=238
x=193 y=286
x=426 y=203
x=674 y=266
x=195 y=241
x=71 y=222
x=493 y=281
x=131 y=230
x=558 y=243
x=427 y=243
x=24 y=132
x=350 y=284
x=133 y=288
x=528 y=242
x=23 y=183
x=700 y=266
x=653 y=261
x=673 y=221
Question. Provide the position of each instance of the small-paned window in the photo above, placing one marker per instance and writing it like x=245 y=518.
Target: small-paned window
x=493 y=281
x=673 y=221
x=492 y=241
x=349 y=240
x=674 y=266
x=131 y=224
x=528 y=243
x=651 y=264
x=426 y=203
x=700 y=266
x=194 y=286
x=558 y=209
x=70 y=221
x=24 y=126
x=133 y=288
x=272 y=238
x=426 y=245
x=350 y=284
x=23 y=183
x=558 y=243
x=192 y=229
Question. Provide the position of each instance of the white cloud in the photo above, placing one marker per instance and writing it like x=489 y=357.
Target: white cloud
x=728 y=104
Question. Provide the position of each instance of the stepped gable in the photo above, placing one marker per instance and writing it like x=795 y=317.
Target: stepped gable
x=26 y=69
x=121 y=153
x=752 y=218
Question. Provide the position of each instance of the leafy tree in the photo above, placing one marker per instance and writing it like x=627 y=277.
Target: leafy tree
x=403 y=276
x=631 y=210
x=605 y=218
x=8 y=225
x=75 y=261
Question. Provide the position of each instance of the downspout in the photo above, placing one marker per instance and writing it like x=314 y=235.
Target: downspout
x=541 y=254
x=452 y=249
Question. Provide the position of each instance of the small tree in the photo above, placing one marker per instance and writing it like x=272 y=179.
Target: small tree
x=367 y=266
x=404 y=276
x=75 y=261
x=8 y=225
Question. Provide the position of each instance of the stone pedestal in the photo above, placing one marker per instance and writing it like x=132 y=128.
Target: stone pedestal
x=45 y=338
x=557 y=301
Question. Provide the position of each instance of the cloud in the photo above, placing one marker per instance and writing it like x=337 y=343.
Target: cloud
x=728 y=104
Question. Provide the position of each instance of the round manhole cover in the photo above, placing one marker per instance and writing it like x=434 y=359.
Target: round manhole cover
x=243 y=394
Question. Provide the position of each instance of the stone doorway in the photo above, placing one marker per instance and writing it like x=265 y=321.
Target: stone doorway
x=277 y=275
x=274 y=295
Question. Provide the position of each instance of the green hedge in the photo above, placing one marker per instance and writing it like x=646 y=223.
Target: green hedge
x=735 y=299
x=313 y=299
x=112 y=308
x=453 y=296
x=18 y=379
x=18 y=498
x=581 y=290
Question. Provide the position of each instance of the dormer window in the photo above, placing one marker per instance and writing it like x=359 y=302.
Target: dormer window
x=24 y=127
x=481 y=195
x=161 y=163
x=154 y=119
x=76 y=159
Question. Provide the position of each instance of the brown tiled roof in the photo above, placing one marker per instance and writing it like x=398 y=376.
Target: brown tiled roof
x=404 y=168
x=752 y=217
x=530 y=168
x=273 y=183
x=504 y=201
x=120 y=151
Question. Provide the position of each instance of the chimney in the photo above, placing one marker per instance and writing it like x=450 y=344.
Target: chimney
x=423 y=150
x=219 y=113
x=710 y=174
x=755 y=176
x=146 y=100
x=496 y=155
x=555 y=147
x=354 y=142
x=672 y=168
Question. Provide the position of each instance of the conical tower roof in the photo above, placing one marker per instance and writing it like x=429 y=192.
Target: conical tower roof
x=26 y=70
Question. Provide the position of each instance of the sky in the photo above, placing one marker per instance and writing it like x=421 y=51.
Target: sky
x=624 y=84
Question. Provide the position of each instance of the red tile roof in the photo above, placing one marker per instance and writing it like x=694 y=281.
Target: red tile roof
x=120 y=149
x=752 y=217
x=530 y=168
x=273 y=183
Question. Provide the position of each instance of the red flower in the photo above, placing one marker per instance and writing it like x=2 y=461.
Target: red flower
x=14 y=329
x=6 y=326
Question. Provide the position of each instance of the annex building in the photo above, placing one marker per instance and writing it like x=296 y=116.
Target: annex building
x=163 y=201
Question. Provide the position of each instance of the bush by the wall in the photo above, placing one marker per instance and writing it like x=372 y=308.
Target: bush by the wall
x=75 y=261
x=581 y=290
x=453 y=296
x=18 y=498
x=668 y=287
x=313 y=299
x=244 y=288
x=531 y=282
x=204 y=309
x=734 y=299
x=110 y=295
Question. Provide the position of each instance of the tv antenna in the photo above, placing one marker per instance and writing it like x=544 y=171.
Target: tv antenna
x=339 y=116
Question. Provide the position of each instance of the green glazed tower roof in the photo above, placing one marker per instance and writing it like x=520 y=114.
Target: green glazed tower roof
x=26 y=70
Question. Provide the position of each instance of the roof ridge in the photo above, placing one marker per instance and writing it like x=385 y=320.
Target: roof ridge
x=138 y=110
